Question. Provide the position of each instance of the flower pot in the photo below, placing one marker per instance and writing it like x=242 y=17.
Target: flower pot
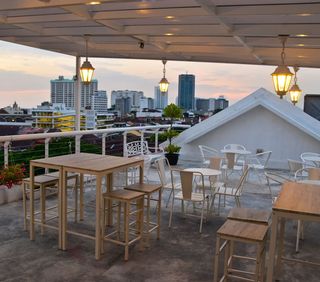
x=172 y=158
x=10 y=195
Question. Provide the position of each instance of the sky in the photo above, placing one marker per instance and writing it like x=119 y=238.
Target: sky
x=26 y=73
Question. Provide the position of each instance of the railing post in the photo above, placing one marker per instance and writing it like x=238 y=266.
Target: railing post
x=125 y=154
x=46 y=150
x=142 y=140
x=78 y=142
x=156 y=141
x=6 y=153
x=104 y=135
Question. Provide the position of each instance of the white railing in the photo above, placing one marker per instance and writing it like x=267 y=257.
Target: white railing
x=153 y=129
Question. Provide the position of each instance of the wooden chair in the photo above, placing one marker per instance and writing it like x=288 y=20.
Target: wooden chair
x=149 y=190
x=43 y=183
x=250 y=215
x=190 y=193
x=132 y=204
x=235 y=231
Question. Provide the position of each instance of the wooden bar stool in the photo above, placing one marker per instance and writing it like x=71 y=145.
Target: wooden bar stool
x=132 y=203
x=250 y=215
x=43 y=183
x=233 y=231
x=149 y=190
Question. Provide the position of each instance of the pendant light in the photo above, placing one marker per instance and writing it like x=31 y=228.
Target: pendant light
x=282 y=75
x=164 y=83
x=295 y=91
x=86 y=70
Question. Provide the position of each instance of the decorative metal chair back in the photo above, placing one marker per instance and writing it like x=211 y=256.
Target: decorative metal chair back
x=207 y=152
x=306 y=162
x=135 y=148
x=294 y=166
x=263 y=158
x=234 y=147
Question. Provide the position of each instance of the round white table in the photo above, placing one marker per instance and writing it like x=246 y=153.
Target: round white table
x=315 y=159
x=235 y=151
x=204 y=171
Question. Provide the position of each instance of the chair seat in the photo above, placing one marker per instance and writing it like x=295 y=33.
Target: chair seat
x=126 y=195
x=243 y=230
x=144 y=187
x=42 y=179
x=195 y=197
x=226 y=191
x=250 y=215
x=56 y=174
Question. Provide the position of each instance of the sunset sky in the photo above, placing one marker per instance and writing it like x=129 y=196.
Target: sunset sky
x=26 y=74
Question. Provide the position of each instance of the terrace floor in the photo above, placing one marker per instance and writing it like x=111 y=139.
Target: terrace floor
x=182 y=254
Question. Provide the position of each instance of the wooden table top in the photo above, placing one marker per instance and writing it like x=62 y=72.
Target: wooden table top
x=89 y=162
x=298 y=198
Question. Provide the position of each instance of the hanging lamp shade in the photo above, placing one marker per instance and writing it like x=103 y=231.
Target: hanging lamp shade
x=164 y=83
x=86 y=69
x=295 y=91
x=282 y=75
x=86 y=72
x=281 y=80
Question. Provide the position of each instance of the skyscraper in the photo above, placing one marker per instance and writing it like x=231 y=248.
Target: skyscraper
x=62 y=92
x=160 y=99
x=99 y=101
x=186 y=91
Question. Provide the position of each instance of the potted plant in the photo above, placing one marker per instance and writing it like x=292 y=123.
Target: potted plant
x=10 y=180
x=172 y=151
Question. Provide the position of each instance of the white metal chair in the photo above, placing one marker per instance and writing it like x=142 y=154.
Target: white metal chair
x=259 y=162
x=191 y=193
x=275 y=177
x=306 y=161
x=230 y=165
x=164 y=172
x=136 y=148
x=207 y=153
x=235 y=192
x=294 y=166
x=313 y=174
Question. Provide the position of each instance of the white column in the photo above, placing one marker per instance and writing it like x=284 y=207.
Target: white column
x=142 y=140
x=46 y=150
x=78 y=142
x=77 y=95
x=125 y=144
x=156 y=145
x=104 y=135
x=6 y=152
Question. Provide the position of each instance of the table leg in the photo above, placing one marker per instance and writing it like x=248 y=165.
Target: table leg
x=141 y=174
x=109 y=203
x=272 y=247
x=98 y=218
x=64 y=206
x=81 y=196
x=280 y=248
x=31 y=202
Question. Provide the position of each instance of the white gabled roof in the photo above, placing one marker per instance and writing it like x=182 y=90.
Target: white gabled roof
x=260 y=97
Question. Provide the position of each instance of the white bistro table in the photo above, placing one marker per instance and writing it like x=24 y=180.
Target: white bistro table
x=296 y=201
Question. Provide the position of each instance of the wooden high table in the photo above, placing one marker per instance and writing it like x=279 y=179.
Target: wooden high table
x=295 y=201
x=83 y=163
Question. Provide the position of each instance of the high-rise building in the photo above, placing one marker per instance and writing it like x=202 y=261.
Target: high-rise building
x=123 y=105
x=62 y=92
x=99 y=101
x=186 y=91
x=160 y=99
x=221 y=103
x=202 y=104
x=212 y=104
x=146 y=103
x=133 y=95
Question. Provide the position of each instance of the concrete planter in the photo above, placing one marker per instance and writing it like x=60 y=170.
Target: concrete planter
x=10 y=195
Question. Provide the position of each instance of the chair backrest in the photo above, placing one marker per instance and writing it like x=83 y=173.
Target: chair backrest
x=187 y=183
x=314 y=173
x=294 y=166
x=231 y=160
x=134 y=148
x=207 y=152
x=161 y=165
x=234 y=147
x=263 y=158
x=243 y=178
x=215 y=162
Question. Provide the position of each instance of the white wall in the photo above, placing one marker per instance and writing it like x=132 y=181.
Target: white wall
x=258 y=128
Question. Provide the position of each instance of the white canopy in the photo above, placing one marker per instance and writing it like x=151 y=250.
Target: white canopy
x=230 y=31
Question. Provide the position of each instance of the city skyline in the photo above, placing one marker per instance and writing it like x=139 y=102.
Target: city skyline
x=26 y=75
